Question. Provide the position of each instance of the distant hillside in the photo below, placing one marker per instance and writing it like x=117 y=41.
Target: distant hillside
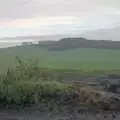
x=72 y=43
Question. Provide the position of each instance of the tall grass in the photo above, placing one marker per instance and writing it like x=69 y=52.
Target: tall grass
x=28 y=84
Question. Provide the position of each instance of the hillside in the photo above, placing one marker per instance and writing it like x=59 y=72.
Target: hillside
x=72 y=43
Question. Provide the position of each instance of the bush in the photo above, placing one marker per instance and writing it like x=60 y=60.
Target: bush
x=28 y=84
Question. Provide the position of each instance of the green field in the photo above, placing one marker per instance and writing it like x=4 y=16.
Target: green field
x=28 y=83
x=85 y=59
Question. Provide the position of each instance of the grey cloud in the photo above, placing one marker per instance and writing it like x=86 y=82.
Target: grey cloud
x=13 y=9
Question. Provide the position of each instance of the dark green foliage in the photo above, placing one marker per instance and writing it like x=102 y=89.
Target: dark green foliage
x=72 y=43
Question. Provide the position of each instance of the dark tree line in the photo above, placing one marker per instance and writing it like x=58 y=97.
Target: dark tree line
x=72 y=43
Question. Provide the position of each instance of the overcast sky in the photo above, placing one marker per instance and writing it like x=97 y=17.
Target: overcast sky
x=38 y=17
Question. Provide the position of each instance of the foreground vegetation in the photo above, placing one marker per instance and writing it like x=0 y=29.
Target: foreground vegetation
x=28 y=84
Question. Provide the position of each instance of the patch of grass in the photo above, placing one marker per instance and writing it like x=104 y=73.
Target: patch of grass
x=28 y=84
x=82 y=59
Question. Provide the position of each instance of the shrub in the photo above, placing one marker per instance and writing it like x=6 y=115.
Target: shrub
x=28 y=84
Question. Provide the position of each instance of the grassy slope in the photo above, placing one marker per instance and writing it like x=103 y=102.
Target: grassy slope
x=82 y=59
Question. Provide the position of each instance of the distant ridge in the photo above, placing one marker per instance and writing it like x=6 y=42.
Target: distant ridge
x=73 y=43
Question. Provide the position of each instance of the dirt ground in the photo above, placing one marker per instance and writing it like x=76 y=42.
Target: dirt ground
x=73 y=113
x=12 y=114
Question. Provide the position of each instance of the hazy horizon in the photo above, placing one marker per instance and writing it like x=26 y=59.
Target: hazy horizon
x=52 y=17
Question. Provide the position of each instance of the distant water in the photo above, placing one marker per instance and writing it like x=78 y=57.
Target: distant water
x=8 y=44
x=11 y=43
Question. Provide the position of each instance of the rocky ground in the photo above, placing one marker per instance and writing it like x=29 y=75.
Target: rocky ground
x=98 y=106
x=73 y=115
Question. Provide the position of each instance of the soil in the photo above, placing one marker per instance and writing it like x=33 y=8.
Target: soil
x=71 y=114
